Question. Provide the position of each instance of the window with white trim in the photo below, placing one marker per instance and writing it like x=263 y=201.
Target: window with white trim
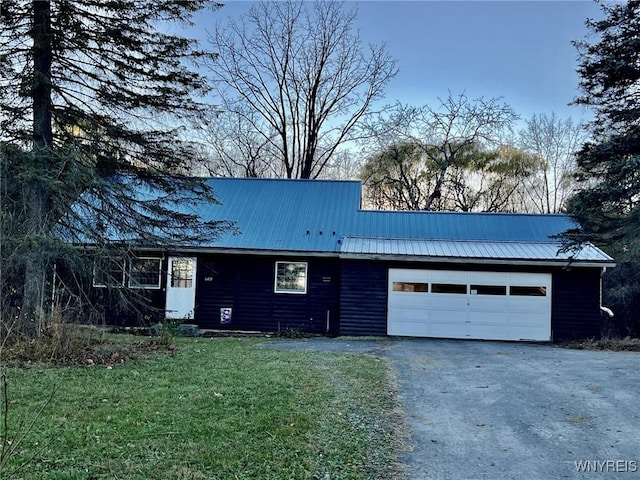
x=291 y=277
x=145 y=272
x=108 y=272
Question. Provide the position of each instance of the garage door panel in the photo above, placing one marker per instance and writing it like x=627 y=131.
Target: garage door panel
x=448 y=317
x=481 y=304
x=530 y=332
x=410 y=314
x=447 y=276
x=489 y=278
x=409 y=328
x=488 y=303
x=492 y=318
x=448 y=330
x=447 y=302
x=409 y=300
x=407 y=275
x=525 y=319
x=488 y=332
x=529 y=304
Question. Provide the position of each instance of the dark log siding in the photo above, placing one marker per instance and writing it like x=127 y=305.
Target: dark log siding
x=575 y=311
x=246 y=285
x=354 y=292
x=363 y=299
x=130 y=306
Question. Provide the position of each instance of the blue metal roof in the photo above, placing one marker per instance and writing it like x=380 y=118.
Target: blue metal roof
x=278 y=214
x=315 y=215
x=471 y=249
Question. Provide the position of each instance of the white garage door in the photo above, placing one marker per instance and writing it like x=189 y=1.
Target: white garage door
x=482 y=305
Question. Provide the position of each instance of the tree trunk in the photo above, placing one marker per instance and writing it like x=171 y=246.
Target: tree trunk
x=37 y=192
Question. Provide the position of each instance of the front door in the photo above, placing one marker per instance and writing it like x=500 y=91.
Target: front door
x=181 y=288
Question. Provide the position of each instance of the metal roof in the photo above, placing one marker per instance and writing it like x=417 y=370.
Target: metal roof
x=324 y=217
x=278 y=214
x=472 y=249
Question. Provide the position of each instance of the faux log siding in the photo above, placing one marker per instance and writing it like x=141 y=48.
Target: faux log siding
x=363 y=302
x=147 y=305
x=246 y=284
x=575 y=311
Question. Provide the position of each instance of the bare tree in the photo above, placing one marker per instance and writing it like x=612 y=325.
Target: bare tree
x=403 y=177
x=449 y=137
x=397 y=178
x=488 y=182
x=233 y=148
x=297 y=74
x=554 y=141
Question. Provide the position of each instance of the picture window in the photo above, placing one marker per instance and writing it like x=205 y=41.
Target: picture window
x=291 y=277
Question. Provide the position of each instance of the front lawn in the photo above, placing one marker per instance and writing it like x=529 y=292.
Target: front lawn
x=217 y=409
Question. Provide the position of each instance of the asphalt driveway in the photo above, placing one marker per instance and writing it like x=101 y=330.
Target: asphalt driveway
x=493 y=410
x=497 y=410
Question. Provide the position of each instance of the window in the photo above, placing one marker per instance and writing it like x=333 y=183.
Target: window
x=528 y=291
x=182 y=273
x=488 y=290
x=144 y=272
x=448 y=288
x=291 y=277
x=410 y=287
x=108 y=272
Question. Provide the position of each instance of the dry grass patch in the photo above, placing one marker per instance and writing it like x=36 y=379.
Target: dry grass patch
x=627 y=344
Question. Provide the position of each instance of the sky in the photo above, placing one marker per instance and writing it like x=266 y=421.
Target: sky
x=520 y=51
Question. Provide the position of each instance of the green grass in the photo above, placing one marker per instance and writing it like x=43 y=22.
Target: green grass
x=218 y=409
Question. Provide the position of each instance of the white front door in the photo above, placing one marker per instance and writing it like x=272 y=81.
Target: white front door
x=181 y=288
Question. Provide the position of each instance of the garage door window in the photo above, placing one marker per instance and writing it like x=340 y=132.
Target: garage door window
x=488 y=290
x=449 y=288
x=528 y=291
x=410 y=287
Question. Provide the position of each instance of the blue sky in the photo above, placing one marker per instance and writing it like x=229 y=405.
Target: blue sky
x=518 y=50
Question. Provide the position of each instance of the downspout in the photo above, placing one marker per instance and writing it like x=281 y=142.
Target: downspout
x=604 y=309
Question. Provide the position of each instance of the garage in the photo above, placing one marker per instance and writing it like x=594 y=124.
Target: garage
x=469 y=304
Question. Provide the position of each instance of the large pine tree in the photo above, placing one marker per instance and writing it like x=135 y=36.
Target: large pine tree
x=609 y=164
x=92 y=94
x=608 y=203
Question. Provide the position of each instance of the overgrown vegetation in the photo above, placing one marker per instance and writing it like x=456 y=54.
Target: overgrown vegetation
x=627 y=344
x=219 y=409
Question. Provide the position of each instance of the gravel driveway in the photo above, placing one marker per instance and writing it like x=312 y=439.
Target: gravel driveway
x=497 y=410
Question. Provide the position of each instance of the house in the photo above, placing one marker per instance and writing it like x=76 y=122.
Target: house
x=308 y=257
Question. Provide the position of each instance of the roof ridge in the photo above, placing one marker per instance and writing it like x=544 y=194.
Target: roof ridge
x=292 y=180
